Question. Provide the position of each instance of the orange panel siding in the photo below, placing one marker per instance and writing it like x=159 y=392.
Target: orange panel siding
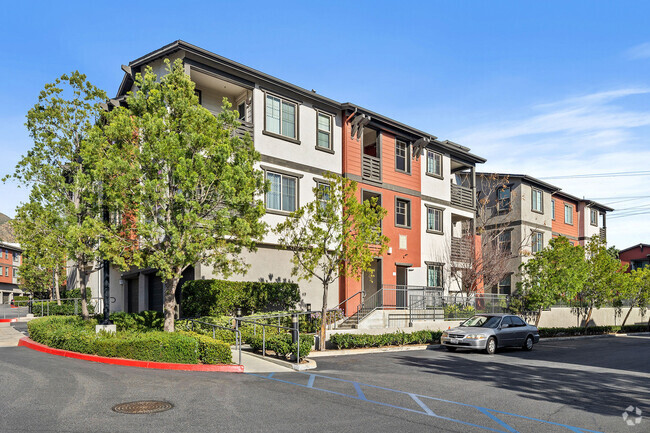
x=559 y=226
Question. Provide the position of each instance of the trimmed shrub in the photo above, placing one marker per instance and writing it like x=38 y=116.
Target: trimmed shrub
x=74 y=334
x=219 y=297
x=202 y=329
x=281 y=344
x=591 y=330
x=351 y=341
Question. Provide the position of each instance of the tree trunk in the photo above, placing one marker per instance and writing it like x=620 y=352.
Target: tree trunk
x=56 y=287
x=591 y=309
x=539 y=315
x=626 y=316
x=83 y=277
x=323 y=316
x=170 y=303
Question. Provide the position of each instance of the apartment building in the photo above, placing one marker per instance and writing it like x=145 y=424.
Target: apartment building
x=417 y=179
x=427 y=185
x=10 y=260
x=528 y=213
x=577 y=219
x=635 y=257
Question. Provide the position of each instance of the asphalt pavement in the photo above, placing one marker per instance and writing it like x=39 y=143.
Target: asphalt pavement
x=577 y=385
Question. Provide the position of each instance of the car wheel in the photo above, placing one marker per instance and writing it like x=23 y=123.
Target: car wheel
x=451 y=349
x=528 y=345
x=491 y=346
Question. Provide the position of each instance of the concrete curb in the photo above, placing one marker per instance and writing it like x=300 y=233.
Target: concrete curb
x=15 y=319
x=309 y=365
x=368 y=350
x=222 y=368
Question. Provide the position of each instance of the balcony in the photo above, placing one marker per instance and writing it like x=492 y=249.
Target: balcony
x=244 y=128
x=603 y=234
x=462 y=196
x=460 y=249
x=371 y=168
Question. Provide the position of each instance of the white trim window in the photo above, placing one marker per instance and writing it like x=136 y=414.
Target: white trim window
x=323 y=193
x=537 y=200
x=553 y=209
x=434 y=220
x=568 y=214
x=434 y=163
x=402 y=157
x=537 y=242
x=434 y=275
x=324 y=131
x=593 y=217
x=283 y=192
x=281 y=117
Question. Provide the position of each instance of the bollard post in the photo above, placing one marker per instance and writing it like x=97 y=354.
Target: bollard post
x=263 y=341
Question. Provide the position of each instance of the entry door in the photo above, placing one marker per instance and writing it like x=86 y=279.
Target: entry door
x=132 y=296
x=402 y=283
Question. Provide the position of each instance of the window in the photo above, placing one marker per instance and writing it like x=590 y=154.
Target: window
x=553 y=209
x=568 y=214
x=504 y=287
x=241 y=110
x=537 y=242
x=16 y=257
x=434 y=163
x=537 y=200
x=322 y=194
x=324 y=131
x=402 y=159
x=402 y=213
x=434 y=220
x=197 y=92
x=282 y=193
x=7 y=271
x=593 y=217
x=504 y=199
x=6 y=254
x=281 y=117
x=517 y=321
x=434 y=275
x=15 y=272
x=504 y=242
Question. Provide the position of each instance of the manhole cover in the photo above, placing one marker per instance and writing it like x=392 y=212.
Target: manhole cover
x=145 y=406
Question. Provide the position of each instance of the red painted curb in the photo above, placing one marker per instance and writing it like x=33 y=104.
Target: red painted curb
x=8 y=320
x=223 y=368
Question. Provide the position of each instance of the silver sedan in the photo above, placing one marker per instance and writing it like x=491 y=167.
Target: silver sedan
x=489 y=332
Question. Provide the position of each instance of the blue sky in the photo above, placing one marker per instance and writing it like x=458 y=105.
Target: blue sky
x=551 y=88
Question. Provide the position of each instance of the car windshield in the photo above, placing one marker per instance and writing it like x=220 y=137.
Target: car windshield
x=481 y=322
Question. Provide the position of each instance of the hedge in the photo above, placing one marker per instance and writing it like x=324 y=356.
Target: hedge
x=74 y=334
x=219 y=297
x=350 y=341
x=281 y=344
x=142 y=322
x=591 y=330
x=202 y=329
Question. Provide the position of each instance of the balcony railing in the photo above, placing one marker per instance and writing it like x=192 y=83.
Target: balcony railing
x=371 y=168
x=603 y=234
x=244 y=128
x=460 y=249
x=462 y=196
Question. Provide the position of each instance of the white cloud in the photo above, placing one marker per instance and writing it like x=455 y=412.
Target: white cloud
x=641 y=51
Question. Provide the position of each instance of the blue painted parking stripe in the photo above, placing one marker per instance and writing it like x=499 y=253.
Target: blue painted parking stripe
x=361 y=396
x=494 y=418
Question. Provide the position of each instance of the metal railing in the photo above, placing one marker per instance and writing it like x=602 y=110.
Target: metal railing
x=462 y=196
x=371 y=167
x=255 y=323
x=214 y=328
x=393 y=297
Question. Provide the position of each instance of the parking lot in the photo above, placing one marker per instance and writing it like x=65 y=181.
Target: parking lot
x=575 y=385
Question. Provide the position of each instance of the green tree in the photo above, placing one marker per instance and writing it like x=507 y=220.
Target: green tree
x=55 y=168
x=333 y=235
x=41 y=237
x=605 y=276
x=557 y=272
x=637 y=290
x=180 y=181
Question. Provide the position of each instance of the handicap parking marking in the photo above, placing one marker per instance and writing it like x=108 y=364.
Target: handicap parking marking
x=423 y=402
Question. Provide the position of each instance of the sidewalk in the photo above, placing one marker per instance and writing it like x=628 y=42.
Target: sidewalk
x=9 y=335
